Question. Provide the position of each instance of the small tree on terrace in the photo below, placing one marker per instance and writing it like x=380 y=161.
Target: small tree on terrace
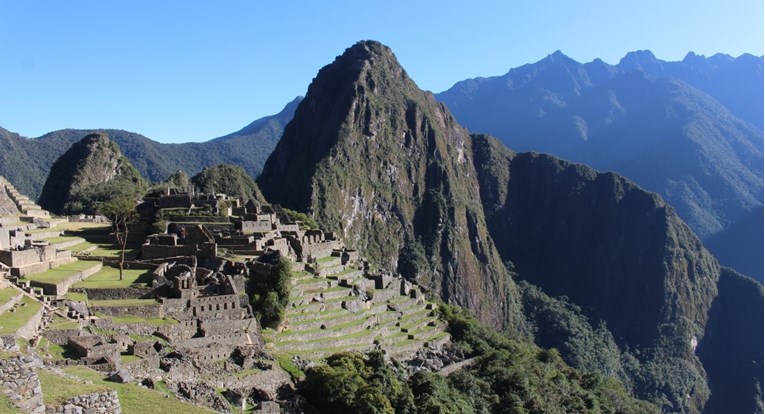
x=121 y=211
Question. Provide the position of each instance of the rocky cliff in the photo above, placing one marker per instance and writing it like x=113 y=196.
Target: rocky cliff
x=379 y=161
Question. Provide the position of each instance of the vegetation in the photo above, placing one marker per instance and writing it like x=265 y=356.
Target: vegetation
x=92 y=172
x=109 y=277
x=228 y=179
x=270 y=295
x=57 y=388
x=508 y=377
x=62 y=272
x=307 y=221
x=121 y=211
x=137 y=400
x=24 y=311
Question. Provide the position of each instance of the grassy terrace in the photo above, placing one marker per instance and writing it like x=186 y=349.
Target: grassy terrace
x=137 y=400
x=7 y=294
x=123 y=302
x=109 y=277
x=63 y=323
x=57 y=389
x=12 y=321
x=60 y=273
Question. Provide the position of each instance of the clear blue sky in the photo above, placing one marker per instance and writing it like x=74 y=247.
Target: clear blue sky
x=179 y=71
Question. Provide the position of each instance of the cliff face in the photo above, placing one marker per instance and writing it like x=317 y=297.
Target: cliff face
x=379 y=161
x=92 y=170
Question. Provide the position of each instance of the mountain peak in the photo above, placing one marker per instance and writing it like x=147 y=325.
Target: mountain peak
x=640 y=60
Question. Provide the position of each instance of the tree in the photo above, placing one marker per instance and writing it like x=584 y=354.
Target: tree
x=121 y=211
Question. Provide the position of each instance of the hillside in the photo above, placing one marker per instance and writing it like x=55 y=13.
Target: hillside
x=641 y=118
x=377 y=160
x=91 y=171
x=25 y=162
x=609 y=271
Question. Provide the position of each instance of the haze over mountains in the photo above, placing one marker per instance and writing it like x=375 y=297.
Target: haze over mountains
x=690 y=131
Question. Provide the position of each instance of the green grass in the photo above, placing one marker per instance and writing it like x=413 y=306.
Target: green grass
x=60 y=273
x=6 y=406
x=63 y=323
x=8 y=293
x=137 y=400
x=62 y=239
x=109 y=277
x=12 y=321
x=328 y=259
x=57 y=389
x=285 y=361
x=125 y=358
x=76 y=296
x=57 y=352
x=123 y=302
x=123 y=319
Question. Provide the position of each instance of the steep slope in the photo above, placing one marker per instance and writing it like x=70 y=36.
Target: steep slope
x=228 y=179
x=379 y=161
x=91 y=171
x=741 y=245
x=618 y=253
x=660 y=132
x=26 y=162
x=731 y=352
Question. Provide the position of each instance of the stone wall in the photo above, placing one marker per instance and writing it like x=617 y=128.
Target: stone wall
x=106 y=402
x=60 y=336
x=153 y=251
x=143 y=311
x=18 y=258
x=11 y=302
x=119 y=293
x=30 y=329
x=19 y=381
x=41 y=267
x=223 y=326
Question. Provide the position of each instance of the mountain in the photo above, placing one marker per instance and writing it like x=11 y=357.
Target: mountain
x=537 y=245
x=25 y=162
x=639 y=118
x=377 y=160
x=92 y=170
x=228 y=179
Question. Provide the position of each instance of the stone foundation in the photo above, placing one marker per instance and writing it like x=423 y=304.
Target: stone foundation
x=106 y=402
x=19 y=381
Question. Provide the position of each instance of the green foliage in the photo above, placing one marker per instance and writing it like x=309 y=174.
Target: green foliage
x=307 y=221
x=271 y=294
x=228 y=179
x=412 y=260
x=350 y=383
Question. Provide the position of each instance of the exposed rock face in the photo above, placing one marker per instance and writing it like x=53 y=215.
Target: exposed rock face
x=379 y=161
x=92 y=170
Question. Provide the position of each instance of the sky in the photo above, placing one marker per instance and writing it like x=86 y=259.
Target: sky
x=180 y=71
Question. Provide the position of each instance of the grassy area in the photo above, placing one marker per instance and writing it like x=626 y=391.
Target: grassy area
x=57 y=352
x=109 y=277
x=76 y=296
x=285 y=361
x=63 y=323
x=63 y=239
x=123 y=302
x=137 y=400
x=57 y=389
x=125 y=358
x=6 y=406
x=12 y=321
x=8 y=293
x=122 y=319
x=60 y=273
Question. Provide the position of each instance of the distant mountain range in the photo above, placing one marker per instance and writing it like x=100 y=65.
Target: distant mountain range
x=26 y=162
x=690 y=130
